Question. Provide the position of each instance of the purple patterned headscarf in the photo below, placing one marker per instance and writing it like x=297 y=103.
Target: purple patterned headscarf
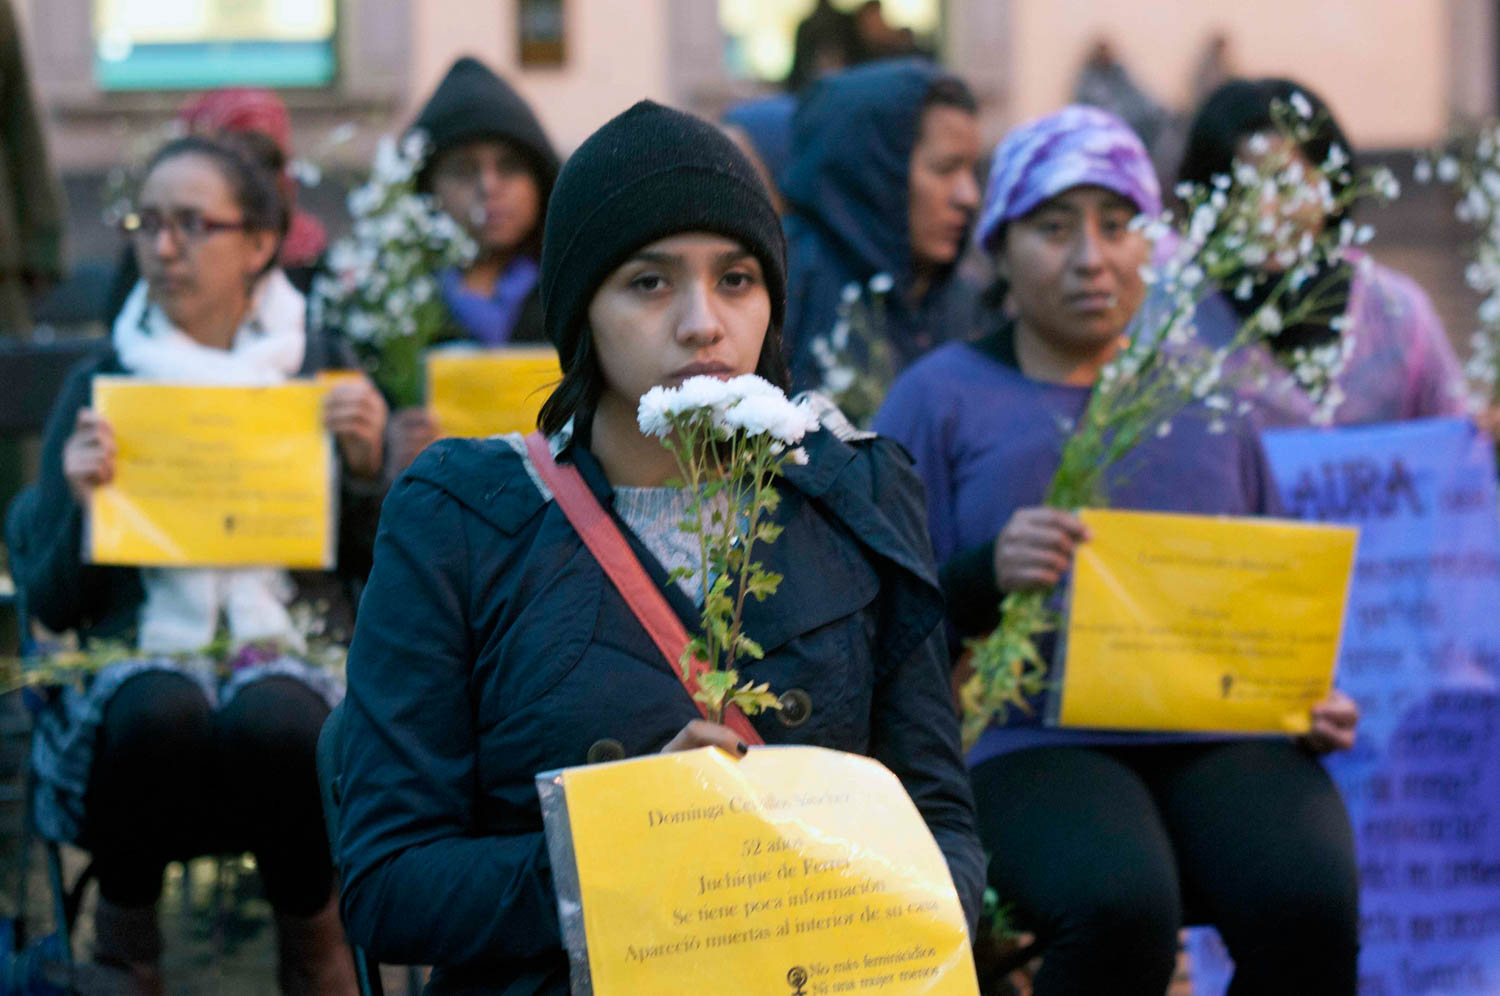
x=1073 y=147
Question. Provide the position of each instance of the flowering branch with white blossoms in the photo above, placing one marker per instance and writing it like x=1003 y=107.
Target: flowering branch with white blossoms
x=383 y=288
x=854 y=357
x=1474 y=169
x=1237 y=232
x=731 y=440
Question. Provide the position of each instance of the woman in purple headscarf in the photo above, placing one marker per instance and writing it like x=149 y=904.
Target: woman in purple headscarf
x=1104 y=843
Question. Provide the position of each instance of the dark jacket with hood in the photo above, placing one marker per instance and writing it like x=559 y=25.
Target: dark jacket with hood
x=847 y=193
x=491 y=646
x=473 y=104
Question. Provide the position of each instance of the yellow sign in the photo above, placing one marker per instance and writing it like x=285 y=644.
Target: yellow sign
x=1193 y=623
x=793 y=870
x=330 y=379
x=489 y=392
x=214 y=476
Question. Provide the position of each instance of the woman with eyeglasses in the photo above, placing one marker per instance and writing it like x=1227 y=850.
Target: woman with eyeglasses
x=160 y=756
x=256 y=120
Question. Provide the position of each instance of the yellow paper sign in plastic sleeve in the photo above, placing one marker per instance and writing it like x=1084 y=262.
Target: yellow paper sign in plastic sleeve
x=792 y=870
x=214 y=476
x=477 y=393
x=1196 y=623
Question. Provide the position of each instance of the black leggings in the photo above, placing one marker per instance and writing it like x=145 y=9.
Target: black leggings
x=173 y=779
x=1106 y=853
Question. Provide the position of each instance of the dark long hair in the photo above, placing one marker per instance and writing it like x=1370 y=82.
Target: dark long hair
x=576 y=395
x=1241 y=108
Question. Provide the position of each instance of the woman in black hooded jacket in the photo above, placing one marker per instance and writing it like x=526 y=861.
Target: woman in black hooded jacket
x=881 y=182
x=491 y=167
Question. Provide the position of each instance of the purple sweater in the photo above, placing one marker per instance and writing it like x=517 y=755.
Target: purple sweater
x=986 y=440
x=1402 y=365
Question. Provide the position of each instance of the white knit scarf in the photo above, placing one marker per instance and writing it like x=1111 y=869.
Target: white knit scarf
x=182 y=606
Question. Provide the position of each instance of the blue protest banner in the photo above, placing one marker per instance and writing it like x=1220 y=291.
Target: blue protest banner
x=1421 y=656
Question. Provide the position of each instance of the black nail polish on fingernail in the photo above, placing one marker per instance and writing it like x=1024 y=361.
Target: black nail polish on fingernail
x=742 y=748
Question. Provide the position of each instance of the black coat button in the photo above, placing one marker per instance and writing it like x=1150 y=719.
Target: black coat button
x=796 y=707
x=606 y=750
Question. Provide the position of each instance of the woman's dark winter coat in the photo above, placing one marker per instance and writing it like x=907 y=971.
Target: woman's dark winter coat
x=491 y=646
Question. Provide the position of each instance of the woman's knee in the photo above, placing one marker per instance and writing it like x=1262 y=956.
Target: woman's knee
x=1121 y=938
x=1126 y=916
x=153 y=754
x=275 y=717
x=154 y=715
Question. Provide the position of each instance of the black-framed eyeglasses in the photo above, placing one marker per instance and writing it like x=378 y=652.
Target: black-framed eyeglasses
x=184 y=226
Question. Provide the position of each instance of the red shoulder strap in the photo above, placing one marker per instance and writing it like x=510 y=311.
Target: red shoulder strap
x=610 y=549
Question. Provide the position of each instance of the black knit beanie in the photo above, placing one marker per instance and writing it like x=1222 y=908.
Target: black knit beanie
x=649 y=173
x=472 y=103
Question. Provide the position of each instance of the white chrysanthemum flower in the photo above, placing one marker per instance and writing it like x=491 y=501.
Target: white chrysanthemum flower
x=1301 y=105
x=752 y=386
x=1447 y=169
x=652 y=414
x=850 y=293
x=881 y=283
x=698 y=392
x=781 y=419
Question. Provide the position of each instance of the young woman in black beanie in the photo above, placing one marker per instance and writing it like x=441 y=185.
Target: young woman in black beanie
x=491 y=645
